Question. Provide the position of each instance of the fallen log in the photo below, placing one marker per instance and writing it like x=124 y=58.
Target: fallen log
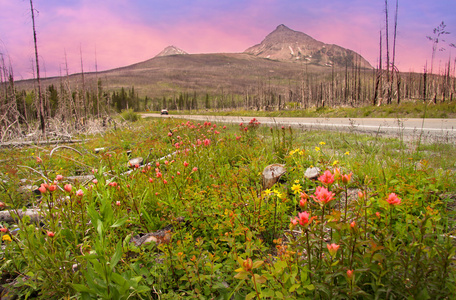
x=31 y=143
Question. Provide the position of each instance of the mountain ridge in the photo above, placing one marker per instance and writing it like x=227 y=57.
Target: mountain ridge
x=286 y=44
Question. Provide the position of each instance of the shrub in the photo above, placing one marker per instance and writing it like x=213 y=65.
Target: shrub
x=129 y=115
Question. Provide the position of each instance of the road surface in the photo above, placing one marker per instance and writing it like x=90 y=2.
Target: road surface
x=431 y=130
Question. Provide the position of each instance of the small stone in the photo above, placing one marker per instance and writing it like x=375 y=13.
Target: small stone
x=98 y=150
x=271 y=174
x=135 y=161
x=312 y=173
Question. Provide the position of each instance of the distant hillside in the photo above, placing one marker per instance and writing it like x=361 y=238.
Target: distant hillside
x=288 y=45
x=266 y=66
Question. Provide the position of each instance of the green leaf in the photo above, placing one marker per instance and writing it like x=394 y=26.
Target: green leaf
x=100 y=228
x=257 y=264
x=294 y=287
x=142 y=289
x=250 y=296
x=280 y=266
x=117 y=255
x=93 y=215
x=241 y=275
x=259 y=279
x=119 y=223
x=81 y=288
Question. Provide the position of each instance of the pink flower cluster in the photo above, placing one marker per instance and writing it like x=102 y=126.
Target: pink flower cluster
x=393 y=199
x=322 y=195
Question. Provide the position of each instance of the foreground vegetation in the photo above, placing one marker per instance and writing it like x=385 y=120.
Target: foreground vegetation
x=377 y=224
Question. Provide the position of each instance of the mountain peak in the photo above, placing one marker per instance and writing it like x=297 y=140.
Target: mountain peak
x=286 y=44
x=171 y=50
x=282 y=27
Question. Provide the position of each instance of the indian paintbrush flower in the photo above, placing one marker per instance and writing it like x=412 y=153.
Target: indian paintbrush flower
x=332 y=248
x=327 y=178
x=68 y=187
x=303 y=218
x=42 y=188
x=322 y=195
x=346 y=178
x=393 y=199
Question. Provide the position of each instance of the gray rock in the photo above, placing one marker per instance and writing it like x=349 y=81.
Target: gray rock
x=98 y=150
x=135 y=161
x=312 y=173
x=271 y=174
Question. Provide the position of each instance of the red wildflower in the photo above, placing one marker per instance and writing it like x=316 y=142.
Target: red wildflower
x=50 y=233
x=4 y=229
x=393 y=199
x=332 y=248
x=303 y=218
x=79 y=193
x=58 y=177
x=322 y=195
x=350 y=274
x=346 y=178
x=294 y=220
x=327 y=178
x=68 y=187
x=42 y=188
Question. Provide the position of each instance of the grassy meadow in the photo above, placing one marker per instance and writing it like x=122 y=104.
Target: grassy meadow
x=193 y=221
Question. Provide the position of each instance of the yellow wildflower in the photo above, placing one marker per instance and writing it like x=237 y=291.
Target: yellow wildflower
x=296 y=188
x=267 y=192
x=293 y=151
x=297 y=181
x=6 y=238
x=279 y=195
x=335 y=162
x=317 y=149
x=301 y=152
x=347 y=153
x=322 y=143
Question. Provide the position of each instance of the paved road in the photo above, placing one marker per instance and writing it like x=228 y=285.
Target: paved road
x=443 y=130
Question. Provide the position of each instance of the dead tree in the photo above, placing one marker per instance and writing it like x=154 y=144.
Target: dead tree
x=40 y=96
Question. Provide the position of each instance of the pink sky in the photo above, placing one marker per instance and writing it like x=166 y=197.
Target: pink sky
x=123 y=32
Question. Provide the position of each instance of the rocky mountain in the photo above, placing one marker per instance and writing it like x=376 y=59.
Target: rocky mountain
x=171 y=50
x=285 y=44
